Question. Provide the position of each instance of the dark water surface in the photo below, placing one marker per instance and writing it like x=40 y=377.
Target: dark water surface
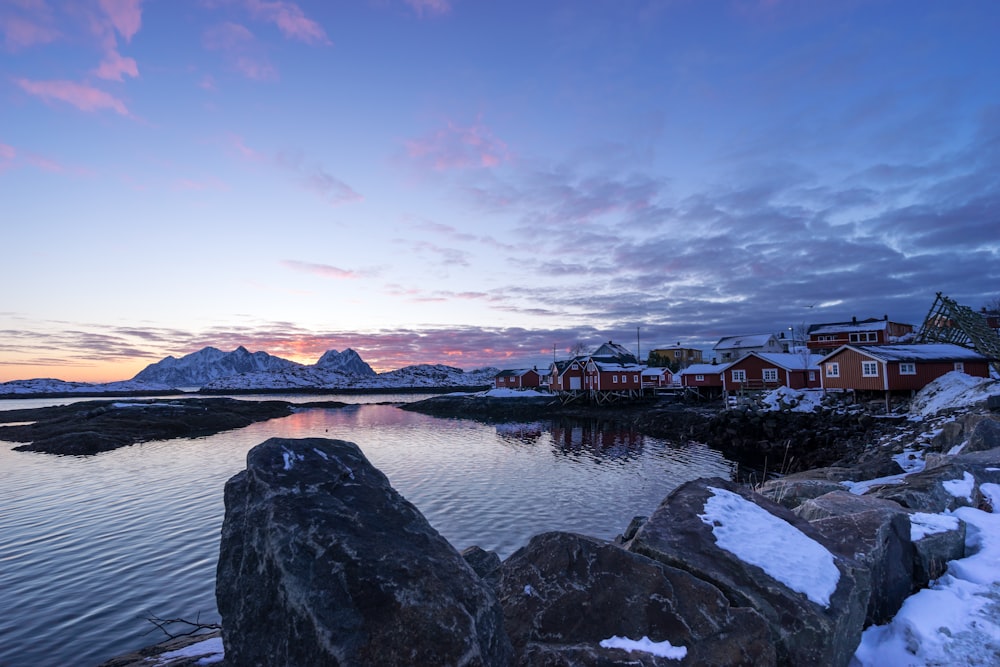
x=89 y=546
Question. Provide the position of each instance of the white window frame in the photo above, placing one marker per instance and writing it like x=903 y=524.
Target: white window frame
x=699 y=378
x=812 y=376
x=869 y=369
x=635 y=378
x=907 y=368
x=739 y=375
x=960 y=366
x=614 y=379
x=832 y=369
x=769 y=375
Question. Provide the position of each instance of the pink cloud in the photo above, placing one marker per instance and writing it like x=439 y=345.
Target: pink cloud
x=20 y=33
x=83 y=97
x=316 y=179
x=207 y=83
x=7 y=155
x=290 y=19
x=114 y=66
x=456 y=147
x=125 y=15
x=422 y=7
x=321 y=270
x=241 y=50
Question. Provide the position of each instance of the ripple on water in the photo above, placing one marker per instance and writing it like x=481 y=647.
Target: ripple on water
x=91 y=545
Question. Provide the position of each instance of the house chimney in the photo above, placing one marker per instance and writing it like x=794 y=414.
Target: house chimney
x=885 y=317
x=854 y=319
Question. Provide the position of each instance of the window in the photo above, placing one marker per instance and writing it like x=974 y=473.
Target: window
x=770 y=375
x=869 y=369
x=833 y=370
x=635 y=378
x=614 y=379
x=699 y=378
x=812 y=376
x=907 y=369
x=739 y=376
x=864 y=337
x=960 y=366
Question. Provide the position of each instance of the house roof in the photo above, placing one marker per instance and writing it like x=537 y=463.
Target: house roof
x=656 y=370
x=920 y=352
x=742 y=341
x=616 y=367
x=704 y=369
x=516 y=372
x=871 y=324
x=789 y=360
x=611 y=352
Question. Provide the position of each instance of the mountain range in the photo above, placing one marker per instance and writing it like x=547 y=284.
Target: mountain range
x=242 y=370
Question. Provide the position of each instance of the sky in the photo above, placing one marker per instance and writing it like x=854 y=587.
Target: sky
x=483 y=183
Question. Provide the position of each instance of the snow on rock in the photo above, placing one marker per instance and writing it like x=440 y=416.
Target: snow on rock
x=950 y=391
x=793 y=400
x=923 y=524
x=201 y=367
x=953 y=622
x=756 y=536
x=348 y=362
x=209 y=651
x=662 y=649
x=961 y=488
x=513 y=393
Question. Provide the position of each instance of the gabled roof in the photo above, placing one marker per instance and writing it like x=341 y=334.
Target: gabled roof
x=656 y=370
x=611 y=366
x=516 y=372
x=740 y=342
x=871 y=324
x=918 y=352
x=704 y=369
x=787 y=360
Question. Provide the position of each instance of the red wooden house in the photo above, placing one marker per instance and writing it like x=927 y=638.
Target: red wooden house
x=521 y=378
x=605 y=376
x=763 y=370
x=825 y=338
x=896 y=368
x=567 y=375
x=704 y=377
x=657 y=377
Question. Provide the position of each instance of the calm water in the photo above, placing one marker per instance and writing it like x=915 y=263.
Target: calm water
x=89 y=546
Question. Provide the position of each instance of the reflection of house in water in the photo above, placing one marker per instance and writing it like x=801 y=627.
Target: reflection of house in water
x=527 y=434
x=602 y=439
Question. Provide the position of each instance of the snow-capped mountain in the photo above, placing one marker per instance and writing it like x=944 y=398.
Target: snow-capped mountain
x=53 y=386
x=202 y=367
x=313 y=377
x=348 y=361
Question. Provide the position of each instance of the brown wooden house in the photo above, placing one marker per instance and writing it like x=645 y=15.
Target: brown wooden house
x=898 y=368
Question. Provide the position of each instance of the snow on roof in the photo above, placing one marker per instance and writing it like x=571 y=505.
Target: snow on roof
x=517 y=372
x=613 y=367
x=791 y=361
x=705 y=369
x=918 y=352
x=758 y=537
x=737 y=342
x=656 y=370
x=871 y=324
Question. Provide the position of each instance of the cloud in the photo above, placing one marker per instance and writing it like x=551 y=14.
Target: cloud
x=241 y=50
x=114 y=66
x=426 y=7
x=20 y=33
x=457 y=147
x=315 y=178
x=83 y=97
x=7 y=155
x=290 y=19
x=125 y=16
x=321 y=270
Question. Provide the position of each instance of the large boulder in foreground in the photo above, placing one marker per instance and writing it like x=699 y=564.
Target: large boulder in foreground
x=564 y=594
x=322 y=562
x=762 y=556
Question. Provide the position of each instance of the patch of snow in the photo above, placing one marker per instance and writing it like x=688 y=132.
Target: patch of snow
x=961 y=488
x=662 y=649
x=289 y=458
x=991 y=492
x=210 y=651
x=756 y=536
x=528 y=590
x=923 y=524
x=911 y=460
x=952 y=390
x=956 y=621
x=513 y=393
x=861 y=488
x=794 y=400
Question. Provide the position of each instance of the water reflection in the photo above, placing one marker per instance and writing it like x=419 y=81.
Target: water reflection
x=89 y=545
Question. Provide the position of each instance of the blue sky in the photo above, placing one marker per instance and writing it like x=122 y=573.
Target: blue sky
x=476 y=183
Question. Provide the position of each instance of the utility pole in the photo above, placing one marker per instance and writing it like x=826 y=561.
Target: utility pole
x=638 y=350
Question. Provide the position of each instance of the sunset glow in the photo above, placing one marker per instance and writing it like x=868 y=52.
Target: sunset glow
x=475 y=184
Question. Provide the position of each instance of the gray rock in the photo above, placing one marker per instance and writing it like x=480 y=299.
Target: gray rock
x=877 y=532
x=791 y=493
x=484 y=563
x=804 y=631
x=984 y=435
x=563 y=594
x=931 y=490
x=933 y=551
x=322 y=562
x=951 y=434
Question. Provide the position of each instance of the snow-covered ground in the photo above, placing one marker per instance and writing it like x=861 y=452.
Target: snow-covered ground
x=52 y=386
